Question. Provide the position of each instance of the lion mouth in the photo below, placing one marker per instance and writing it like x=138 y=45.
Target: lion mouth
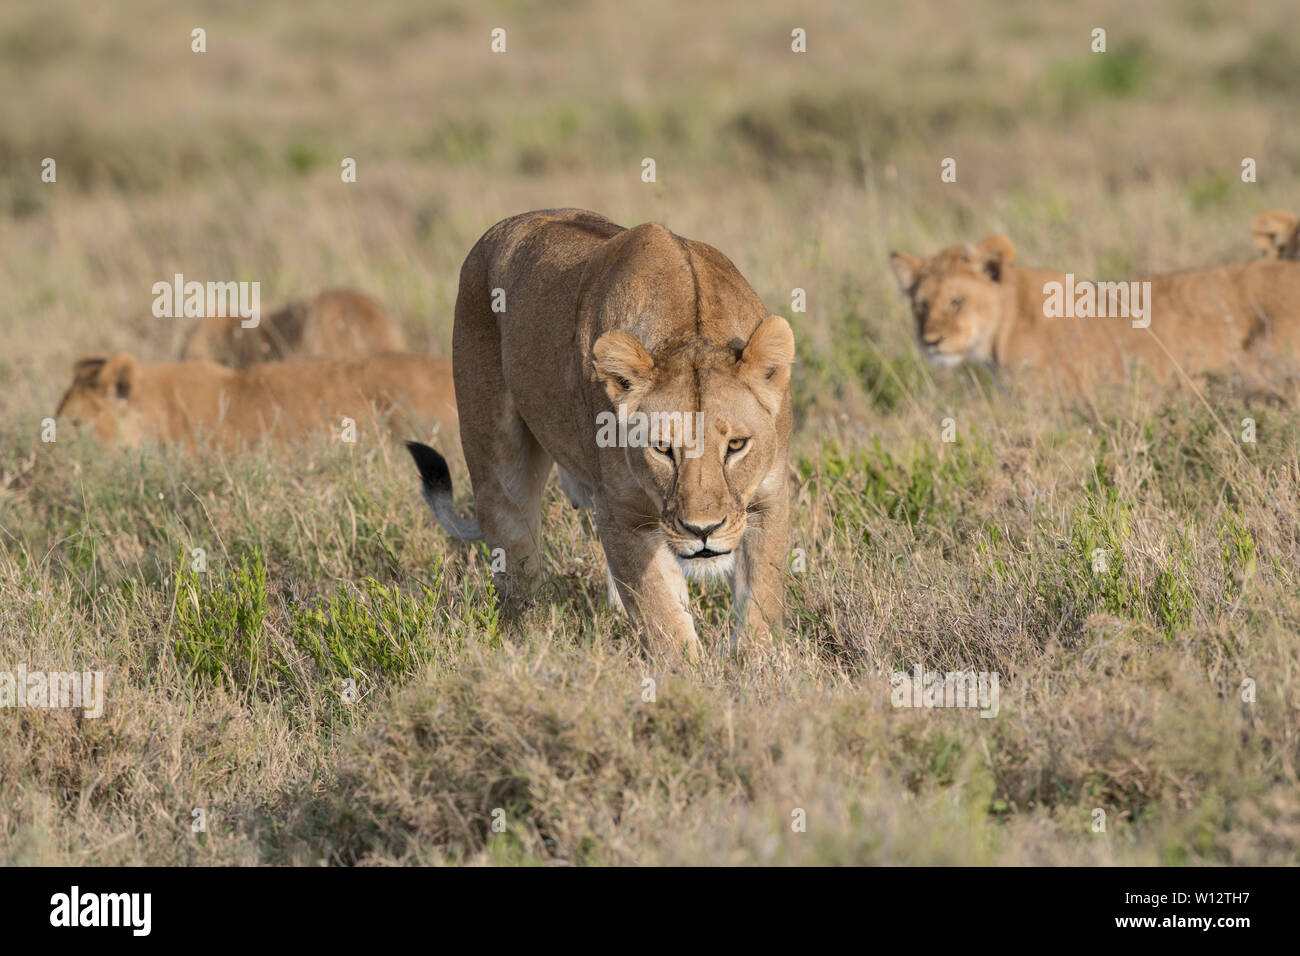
x=704 y=553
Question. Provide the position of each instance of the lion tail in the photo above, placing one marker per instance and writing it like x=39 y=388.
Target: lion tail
x=435 y=482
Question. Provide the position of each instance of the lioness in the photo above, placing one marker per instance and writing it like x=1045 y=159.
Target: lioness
x=973 y=303
x=336 y=324
x=566 y=321
x=124 y=401
x=1277 y=234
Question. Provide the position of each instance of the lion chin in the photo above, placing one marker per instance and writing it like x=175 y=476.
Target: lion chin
x=707 y=569
x=945 y=359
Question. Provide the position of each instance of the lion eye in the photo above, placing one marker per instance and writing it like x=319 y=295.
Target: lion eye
x=736 y=444
x=956 y=303
x=664 y=449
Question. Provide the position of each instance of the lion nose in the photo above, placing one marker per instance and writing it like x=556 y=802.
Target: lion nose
x=702 y=531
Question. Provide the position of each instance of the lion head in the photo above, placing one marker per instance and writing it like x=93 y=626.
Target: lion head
x=1276 y=234
x=956 y=298
x=709 y=417
x=100 y=398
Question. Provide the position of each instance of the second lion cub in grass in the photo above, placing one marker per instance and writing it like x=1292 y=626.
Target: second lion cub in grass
x=338 y=323
x=121 y=400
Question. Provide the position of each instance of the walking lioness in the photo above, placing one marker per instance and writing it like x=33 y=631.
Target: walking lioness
x=122 y=401
x=647 y=368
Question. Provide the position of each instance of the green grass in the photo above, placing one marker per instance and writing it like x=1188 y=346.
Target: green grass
x=221 y=628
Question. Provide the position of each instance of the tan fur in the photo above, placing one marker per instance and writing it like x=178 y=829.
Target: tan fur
x=1277 y=234
x=597 y=315
x=335 y=324
x=973 y=303
x=126 y=402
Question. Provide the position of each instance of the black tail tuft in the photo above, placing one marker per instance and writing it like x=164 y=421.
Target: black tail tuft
x=434 y=473
x=435 y=478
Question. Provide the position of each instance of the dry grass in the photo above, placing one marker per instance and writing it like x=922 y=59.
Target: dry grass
x=1120 y=691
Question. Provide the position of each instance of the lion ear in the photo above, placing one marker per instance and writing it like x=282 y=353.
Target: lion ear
x=85 y=371
x=995 y=254
x=906 y=268
x=1277 y=233
x=118 y=375
x=622 y=364
x=769 y=353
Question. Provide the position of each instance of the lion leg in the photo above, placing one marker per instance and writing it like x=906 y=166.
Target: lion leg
x=581 y=496
x=508 y=504
x=758 y=576
x=507 y=465
x=650 y=586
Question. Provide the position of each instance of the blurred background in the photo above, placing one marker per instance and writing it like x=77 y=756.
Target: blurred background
x=805 y=168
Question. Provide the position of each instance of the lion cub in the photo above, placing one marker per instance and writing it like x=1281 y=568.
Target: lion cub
x=1277 y=234
x=123 y=401
x=975 y=303
x=338 y=324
